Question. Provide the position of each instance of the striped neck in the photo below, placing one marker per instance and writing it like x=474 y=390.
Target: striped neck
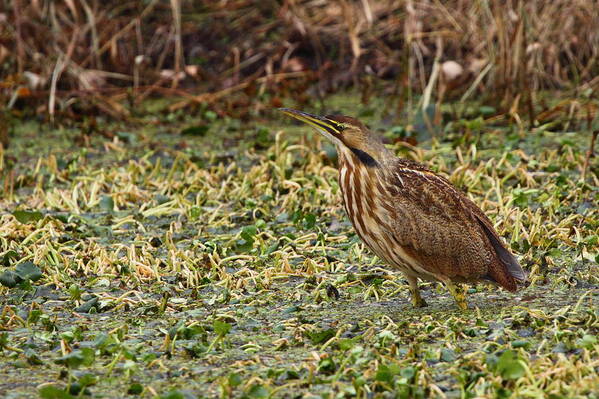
x=356 y=157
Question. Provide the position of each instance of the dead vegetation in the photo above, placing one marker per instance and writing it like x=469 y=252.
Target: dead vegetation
x=107 y=55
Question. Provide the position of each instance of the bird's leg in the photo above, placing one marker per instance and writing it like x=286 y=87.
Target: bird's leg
x=417 y=300
x=458 y=293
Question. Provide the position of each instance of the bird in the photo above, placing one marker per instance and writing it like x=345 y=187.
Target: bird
x=412 y=218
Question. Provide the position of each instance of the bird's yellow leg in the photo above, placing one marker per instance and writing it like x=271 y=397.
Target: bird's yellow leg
x=458 y=293
x=417 y=300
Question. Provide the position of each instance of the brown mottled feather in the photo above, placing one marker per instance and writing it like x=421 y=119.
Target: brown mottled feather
x=442 y=229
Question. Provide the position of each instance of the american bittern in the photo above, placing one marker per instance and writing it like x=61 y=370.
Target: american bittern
x=412 y=218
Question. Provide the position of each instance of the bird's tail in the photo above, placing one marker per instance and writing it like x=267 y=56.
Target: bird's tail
x=506 y=271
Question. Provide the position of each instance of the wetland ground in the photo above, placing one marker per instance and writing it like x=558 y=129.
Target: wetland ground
x=194 y=257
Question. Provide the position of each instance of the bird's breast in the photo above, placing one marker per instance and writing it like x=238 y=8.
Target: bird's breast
x=369 y=206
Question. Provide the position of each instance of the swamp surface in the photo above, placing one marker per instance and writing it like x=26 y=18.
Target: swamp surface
x=190 y=256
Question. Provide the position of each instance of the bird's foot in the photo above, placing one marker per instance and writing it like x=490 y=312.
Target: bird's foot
x=458 y=293
x=418 y=301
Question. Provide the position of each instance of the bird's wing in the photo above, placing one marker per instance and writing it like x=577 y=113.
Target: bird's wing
x=444 y=231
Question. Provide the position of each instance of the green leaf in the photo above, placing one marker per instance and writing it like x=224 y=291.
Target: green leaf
x=26 y=217
x=521 y=343
x=408 y=372
x=87 y=379
x=54 y=392
x=34 y=316
x=3 y=340
x=28 y=271
x=221 y=328
x=87 y=306
x=76 y=388
x=347 y=343
x=509 y=366
x=135 y=389
x=9 y=256
x=234 y=380
x=272 y=248
x=387 y=372
x=172 y=395
x=309 y=221
x=258 y=391
x=587 y=341
x=75 y=292
x=127 y=137
x=200 y=130
x=319 y=337
x=9 y=279
x=297 y=216
x=195 y=212
x=263 y=137
x=327 y=366
x=107 y=203
x=32 y=357
x=210 y=115
x=447 y=355
x=248 y=233
x=78 y=358
x=485 y=110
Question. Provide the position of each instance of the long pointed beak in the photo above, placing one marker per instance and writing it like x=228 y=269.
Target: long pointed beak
x=319 y=122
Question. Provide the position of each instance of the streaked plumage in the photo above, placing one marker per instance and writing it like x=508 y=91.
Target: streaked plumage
x=411 y=217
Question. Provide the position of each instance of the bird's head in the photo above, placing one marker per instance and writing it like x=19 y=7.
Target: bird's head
x=345 y=132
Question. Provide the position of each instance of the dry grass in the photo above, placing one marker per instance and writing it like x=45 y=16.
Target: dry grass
x=56 y=51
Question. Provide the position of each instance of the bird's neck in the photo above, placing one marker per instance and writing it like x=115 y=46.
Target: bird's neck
x=369 y=158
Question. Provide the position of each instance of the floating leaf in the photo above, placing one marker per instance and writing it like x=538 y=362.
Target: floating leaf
x=9 y=279
x=587 y=341
x=54 y=392
x=26 y=217
x=263 y=137
x=387 y=372
x=248 y=232
x=221 y=328
x=447 y=355
x=327 y=366
x=28 y=271
x=87 y=379
x=178 y=395
x=487 y=111
x=87 y=306
x=234 y=379
x=521 y=343
x=347 y=343
x=258 y=391
x=332 y=291
x=200 y=130
x=77 y=358
x=195 y=212
x=9 y=256
x=107 y=203
x=319 y=337
x=32 y=357
x=408 y=372
x=272 y=248
x=309 y=221
x=210 y=115
x=509 y=366
x=127 y=137
x=135 y=389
